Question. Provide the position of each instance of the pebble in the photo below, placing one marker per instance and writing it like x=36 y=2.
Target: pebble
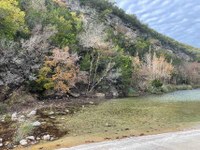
x=22 y=118
x=67 y=110
x=51 y=113
x=32 y=113
x=36 y=124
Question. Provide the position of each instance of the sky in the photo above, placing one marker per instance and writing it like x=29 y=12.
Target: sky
x=179 y=19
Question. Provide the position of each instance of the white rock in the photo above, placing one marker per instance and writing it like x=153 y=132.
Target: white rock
x=1 y=140
x=23 y=142
x=31 y=138
x=1 y=144
x=22 y=118
x=51 y=113
x=52 y=138
x=36 y=124
x=91 y=102
x=46 y=137
x=100 y=95
x=32 y=113
x=67 y=110
x=14 y=117
x=38 y=139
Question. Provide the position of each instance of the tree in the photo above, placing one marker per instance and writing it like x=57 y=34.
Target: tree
x=45 y=12
x=189 y=72
x=153 y=68
x=60 y=71
x=157 y=68
x=11 y=18
x=94 y=38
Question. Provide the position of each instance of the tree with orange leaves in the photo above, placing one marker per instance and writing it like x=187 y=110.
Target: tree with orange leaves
x=59 y=71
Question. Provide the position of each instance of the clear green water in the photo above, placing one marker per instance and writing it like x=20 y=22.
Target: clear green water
x=184 y=95
x=177 y=96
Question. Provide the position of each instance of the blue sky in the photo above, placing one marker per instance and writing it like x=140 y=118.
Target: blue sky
x=179 y=19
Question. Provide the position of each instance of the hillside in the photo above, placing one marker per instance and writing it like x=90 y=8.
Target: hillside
x=130 y=23
x=101 y=43
x=63 y=54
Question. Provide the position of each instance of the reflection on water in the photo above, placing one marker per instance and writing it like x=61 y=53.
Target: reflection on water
x=185 y=95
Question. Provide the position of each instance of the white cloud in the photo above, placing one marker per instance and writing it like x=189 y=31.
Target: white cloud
x=178 y=19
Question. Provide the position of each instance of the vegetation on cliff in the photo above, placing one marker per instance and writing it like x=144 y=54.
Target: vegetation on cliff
x=108 y=51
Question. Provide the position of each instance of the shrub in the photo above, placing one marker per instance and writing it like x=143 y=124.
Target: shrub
x=3 y=108
x=44 y=12
x=59 y=71
x=156 y=83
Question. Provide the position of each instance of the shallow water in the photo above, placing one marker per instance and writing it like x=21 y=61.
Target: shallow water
x=183 y=95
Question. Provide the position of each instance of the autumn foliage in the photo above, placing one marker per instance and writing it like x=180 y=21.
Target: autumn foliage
x=59 y=71
x=152 y=68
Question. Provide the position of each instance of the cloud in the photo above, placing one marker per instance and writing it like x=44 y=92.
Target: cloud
x=178 y=19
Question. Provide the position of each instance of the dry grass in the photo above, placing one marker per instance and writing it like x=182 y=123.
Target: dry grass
x=121 y=118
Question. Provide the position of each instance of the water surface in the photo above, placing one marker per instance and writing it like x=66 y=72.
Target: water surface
x=182 y=95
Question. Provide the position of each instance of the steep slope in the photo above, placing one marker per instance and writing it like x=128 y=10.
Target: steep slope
x=130 y=26
x=84 y=47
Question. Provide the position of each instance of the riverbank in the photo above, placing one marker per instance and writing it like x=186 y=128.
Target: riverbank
x=122 y=118
x=91 y=120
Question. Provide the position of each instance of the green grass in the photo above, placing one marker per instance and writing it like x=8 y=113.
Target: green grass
x=136 y=116
x=25 y=129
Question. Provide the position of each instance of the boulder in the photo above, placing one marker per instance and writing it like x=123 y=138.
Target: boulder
x=100 y=95
x=46 y=137
x=23 y=142
x=14 y=117
x=114 y=92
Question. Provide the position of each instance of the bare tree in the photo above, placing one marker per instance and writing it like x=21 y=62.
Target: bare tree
x=94 y=37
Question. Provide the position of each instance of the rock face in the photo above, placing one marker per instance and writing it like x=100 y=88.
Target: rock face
x=19 y=61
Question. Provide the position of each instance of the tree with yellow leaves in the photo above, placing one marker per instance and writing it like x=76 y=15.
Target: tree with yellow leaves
x=11 y=18
x=59 y=71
